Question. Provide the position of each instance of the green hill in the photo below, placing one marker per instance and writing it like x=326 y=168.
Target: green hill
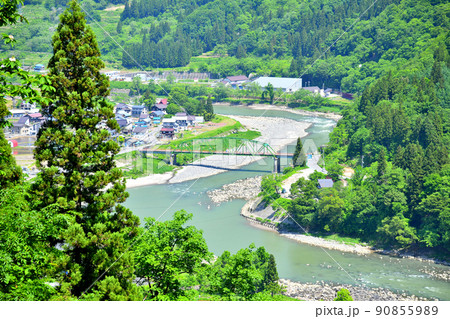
x=278 y=38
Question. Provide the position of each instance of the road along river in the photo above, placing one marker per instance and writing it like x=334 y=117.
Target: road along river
x=224 y=228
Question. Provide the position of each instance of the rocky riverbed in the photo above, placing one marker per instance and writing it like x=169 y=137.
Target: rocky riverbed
x=326 y=291
x=440 y=275
x=243 y=189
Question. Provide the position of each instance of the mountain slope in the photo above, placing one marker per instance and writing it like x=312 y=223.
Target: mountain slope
x=278 y=38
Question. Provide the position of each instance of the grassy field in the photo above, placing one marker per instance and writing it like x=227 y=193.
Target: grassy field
x=229 y=125
x=134 y=165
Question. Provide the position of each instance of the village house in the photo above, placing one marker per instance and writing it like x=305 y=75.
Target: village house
x=122 y=110
x=39 y=68
x=36 y=120
x=140 y=130
x=312 y=89
x=170 y=123
x=122 y=107
x=160 y=105
x=144 y=118
x=159 y=114
x=27 y=106
x=236 y=82
x=184 y=120
x=137 y=110
x=167 y=132
x=156 y=117
x=122 y=122
x=22 y=126
x=316 y=90
x=112 y=75
x=28 y=124
x=325 y=183
x=17 y=113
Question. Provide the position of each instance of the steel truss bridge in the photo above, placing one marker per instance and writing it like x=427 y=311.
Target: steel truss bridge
x=222 y=146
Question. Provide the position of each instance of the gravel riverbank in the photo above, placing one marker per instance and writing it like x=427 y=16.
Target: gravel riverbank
x=329 y=244
x=330 y=115
x=243 y=189
x=327 y=291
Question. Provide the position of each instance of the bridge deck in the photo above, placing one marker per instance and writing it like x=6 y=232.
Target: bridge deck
x=170 y=151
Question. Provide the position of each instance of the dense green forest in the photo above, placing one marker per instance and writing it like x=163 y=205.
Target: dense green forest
x=278 y=38
x=250 y=32
x=65 y=235
x=396 y=137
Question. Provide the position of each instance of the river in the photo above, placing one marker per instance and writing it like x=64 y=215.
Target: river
x=224 y=229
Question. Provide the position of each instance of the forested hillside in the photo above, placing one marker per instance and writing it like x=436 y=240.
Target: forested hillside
x=396 y=138
x=250 y=32
x=278 y=38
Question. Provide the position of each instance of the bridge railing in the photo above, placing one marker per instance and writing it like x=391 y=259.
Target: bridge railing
x=232 y=146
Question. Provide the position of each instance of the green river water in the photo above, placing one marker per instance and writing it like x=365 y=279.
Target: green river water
x=224 y=229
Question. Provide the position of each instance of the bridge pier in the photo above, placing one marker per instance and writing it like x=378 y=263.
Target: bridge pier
x=173 y=159
x=277 y=164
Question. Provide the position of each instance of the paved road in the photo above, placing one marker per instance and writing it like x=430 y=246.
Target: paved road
x=312 y=163
x=149 y=140
x=312 y=167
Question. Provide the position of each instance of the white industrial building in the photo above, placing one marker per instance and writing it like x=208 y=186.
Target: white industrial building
x=284 y=84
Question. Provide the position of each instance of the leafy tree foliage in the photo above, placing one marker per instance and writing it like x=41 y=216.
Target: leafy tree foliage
x=76 y=159
x=334 y=170
x=27 y=259
x=271 y=187
x=278 y=38
x=268 y=92
x=256 y=34
x=343 y=295
x=11 y=71
x=396 y=230
x=243 y=276
x=167 y=250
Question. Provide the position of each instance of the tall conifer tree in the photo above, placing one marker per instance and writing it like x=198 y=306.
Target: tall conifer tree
x=75 y=154
x=382 y=164
x=209 y=110
x=299 y=158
